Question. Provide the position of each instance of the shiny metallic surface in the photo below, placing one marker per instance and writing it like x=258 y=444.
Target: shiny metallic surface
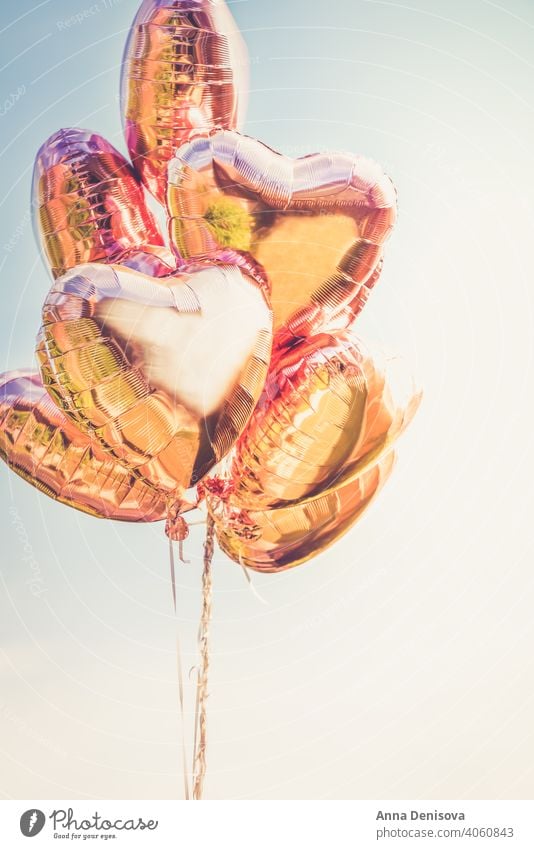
x=42 y=446
x=309 y=417
x=185 y=68
x=279 y=539
x=163 y=374
x=317 y=225
x=329 y=408
x=317 y=449
x=149 y=259
x=88 y=206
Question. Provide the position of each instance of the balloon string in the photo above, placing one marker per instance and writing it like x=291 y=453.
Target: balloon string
x=199 y=758
x=180 y=670
x=181 y=552
x=250 y=583
x=195 y=738
x=173 y=575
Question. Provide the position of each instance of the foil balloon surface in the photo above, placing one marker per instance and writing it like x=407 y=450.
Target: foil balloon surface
x=185 y=68
x=328 y=409
x=273 y=540
x=159 y=367
x=42 y=446
x=317 y=225
x=89 y=206
x=317 y=450
x=163 y=374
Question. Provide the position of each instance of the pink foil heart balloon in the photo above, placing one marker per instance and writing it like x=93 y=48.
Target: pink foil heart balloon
x=89 y=206
x=41 y=445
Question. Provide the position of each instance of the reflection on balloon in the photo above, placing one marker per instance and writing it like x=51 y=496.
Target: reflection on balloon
x=88 y=206
x=164 y=374
x=158 y=370
x=273 y=540
x=329 y=408
x=159 y=375
x=42 y=446
x=317 y=449
x=185 y=68
x=150 y=260
x=317 y=225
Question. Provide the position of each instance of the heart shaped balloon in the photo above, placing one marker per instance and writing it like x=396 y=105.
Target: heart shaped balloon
x=89 y=206
x=317 y=450
x=163 y=375
x=316 y=224
x=329 y=409
x=273 y=540
x=42 y=446
x=185 y=67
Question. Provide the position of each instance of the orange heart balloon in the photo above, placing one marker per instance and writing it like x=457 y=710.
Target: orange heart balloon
x=329 y=410
x=185 y=67
x=315 y=453
x=274 y=540
x=165 y=374
x=89 y=206
x=316 y=224
x=42 y=446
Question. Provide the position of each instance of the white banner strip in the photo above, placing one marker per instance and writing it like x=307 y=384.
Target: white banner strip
x=273 y=825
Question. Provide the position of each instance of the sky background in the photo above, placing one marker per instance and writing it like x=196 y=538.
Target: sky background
x=399 y=663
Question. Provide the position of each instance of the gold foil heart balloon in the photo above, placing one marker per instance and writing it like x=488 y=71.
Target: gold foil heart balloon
x=317 y=224
x=329 y=409
x=164 y=376
x=185 y=67
x=281 y=538
x=42 y=446
x=88 y=206
x=315 y=453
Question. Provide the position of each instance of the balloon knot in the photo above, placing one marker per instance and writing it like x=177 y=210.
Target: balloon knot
x=243 y=525
x=219 y=487
x=176 y=527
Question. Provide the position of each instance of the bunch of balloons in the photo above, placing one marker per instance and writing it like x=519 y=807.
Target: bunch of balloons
x=216 y=363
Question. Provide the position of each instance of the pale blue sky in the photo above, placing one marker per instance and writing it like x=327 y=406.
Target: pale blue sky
x=399 y=663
